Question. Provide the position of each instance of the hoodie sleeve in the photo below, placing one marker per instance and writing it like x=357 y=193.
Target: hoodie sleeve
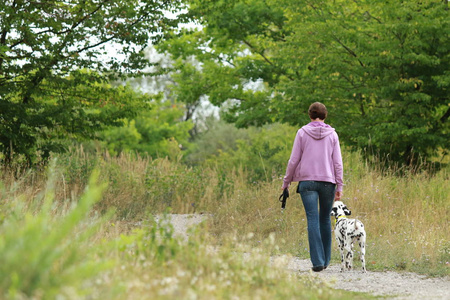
x=338 y=166
x=294 y=160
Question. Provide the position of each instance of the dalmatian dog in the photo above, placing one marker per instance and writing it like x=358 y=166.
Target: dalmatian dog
x=346 y=232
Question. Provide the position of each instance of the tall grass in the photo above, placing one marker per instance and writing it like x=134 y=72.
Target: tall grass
x=45 y=252
x=407 y=216
x=406 y=219
x=54 y=251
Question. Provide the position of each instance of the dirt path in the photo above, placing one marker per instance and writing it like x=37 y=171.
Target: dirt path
x=393 y=284
x=400 y=286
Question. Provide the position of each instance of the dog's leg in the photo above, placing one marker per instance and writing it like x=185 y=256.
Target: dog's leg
x=340 y=244
x=349 y=256
x=362 y=245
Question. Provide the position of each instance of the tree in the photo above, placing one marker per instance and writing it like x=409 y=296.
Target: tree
x=381 y=67
x=46 y=48
x=157 y=132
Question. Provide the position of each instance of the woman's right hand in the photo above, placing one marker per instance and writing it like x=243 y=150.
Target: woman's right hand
x=338 y=196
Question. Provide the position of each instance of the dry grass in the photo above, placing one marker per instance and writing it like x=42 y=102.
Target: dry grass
x=52 y=253
x=406 y=217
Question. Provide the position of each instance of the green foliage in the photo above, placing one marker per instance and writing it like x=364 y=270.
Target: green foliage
x=123 y=138
x=381 y=67
x=263 y=152
x=52 y=121
x=158 y=132
x=46 y=254
x=45 y=93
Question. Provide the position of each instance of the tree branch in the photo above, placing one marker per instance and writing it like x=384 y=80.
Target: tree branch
x=445 y=117
x=259 y=52
x=348 y=50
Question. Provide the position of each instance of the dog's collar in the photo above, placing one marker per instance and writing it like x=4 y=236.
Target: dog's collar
x=340 y=217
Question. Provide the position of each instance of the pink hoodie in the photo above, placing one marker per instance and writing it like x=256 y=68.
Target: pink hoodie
x=316 y=155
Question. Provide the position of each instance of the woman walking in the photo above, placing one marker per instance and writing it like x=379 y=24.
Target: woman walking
x=316 y=163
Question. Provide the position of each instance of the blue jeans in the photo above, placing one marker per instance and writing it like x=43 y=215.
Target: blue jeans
x=318 y=198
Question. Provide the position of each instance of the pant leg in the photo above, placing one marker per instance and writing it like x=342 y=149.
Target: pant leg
x=310 y=198
x=326 y=198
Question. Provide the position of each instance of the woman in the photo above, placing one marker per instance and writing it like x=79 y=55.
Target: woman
x=316 y=163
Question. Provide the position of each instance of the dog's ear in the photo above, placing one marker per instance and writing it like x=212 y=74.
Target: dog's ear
x=347 y=211
x=333 y=212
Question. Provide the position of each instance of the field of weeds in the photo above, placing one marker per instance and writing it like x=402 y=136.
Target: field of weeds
x=70 y=230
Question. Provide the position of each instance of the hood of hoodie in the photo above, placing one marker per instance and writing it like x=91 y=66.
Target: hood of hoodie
x=318 y=130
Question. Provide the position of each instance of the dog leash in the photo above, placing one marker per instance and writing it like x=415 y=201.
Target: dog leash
x=283 y=198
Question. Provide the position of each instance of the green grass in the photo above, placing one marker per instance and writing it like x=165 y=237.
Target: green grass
x=58 y=237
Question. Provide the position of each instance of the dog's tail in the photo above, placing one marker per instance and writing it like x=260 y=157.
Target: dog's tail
x=356 y=224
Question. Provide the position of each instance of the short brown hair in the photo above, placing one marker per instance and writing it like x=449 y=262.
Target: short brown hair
x=317 y=110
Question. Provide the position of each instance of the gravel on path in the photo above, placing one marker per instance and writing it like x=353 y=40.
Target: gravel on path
x=404 y=285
